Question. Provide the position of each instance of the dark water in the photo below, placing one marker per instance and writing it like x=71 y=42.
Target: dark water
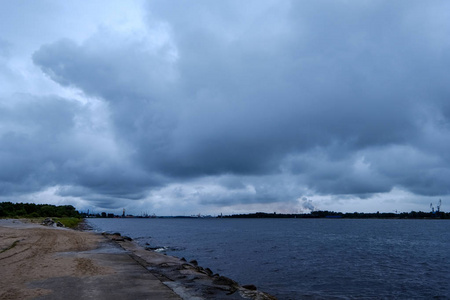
x=309 y=259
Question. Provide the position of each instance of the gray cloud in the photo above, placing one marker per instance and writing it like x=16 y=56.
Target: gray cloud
x=342 y=98
x=28 y=157
x=43 y=145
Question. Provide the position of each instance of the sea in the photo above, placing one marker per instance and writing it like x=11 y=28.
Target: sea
x=308 y=258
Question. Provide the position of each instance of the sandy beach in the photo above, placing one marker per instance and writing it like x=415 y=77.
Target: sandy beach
x=39 y=262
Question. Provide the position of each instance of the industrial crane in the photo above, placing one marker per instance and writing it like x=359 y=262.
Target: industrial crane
x=438 y=207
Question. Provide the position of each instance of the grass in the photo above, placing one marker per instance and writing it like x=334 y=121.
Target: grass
x=69 y=222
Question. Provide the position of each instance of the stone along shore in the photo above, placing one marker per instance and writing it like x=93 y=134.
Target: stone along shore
x=38 y=262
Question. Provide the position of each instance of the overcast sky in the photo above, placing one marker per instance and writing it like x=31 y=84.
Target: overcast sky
x=187 y=107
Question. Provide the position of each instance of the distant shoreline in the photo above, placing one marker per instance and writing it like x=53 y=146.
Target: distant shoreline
x=355 y=215
x=313 y=215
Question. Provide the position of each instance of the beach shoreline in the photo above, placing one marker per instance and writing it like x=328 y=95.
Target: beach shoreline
x=39 y=262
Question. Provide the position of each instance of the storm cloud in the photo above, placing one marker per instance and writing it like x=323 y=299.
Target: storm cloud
x=285 y=105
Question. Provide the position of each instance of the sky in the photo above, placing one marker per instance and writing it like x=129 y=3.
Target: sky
x=209 y=107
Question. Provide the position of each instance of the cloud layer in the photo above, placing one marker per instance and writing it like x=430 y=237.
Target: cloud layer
x=227 y=106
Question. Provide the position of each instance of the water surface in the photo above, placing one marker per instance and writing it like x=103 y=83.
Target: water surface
x=309 y=258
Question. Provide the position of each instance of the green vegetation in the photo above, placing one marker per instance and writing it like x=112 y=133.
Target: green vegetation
x=69 y=222
x=31 y=210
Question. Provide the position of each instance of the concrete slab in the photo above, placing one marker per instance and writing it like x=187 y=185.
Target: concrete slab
x=130 y=280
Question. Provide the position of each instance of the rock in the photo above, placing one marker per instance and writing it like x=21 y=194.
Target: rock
x=183 y=259
x=250 y=287
x=194 y=262
x=222 y=280
x=51 y=222
x=187 y=267
x=47 y=222
x=208 y=271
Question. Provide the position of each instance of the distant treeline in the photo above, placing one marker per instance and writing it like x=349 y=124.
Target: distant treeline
x=31 y=210
x=355 y=215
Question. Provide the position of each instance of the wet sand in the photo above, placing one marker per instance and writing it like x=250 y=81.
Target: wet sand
x=38 y=262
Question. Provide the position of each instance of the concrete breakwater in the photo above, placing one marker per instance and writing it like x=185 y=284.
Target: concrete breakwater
x=187 y=279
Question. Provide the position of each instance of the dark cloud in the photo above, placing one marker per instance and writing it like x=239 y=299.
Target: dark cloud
x=43 y=145
x=342 y=98
x=33 y=141
x=107 y=66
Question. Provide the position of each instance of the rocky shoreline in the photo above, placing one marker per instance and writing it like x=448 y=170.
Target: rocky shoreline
x=187 y=279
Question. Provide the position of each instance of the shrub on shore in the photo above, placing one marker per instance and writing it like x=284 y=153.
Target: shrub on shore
x=31 y=210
